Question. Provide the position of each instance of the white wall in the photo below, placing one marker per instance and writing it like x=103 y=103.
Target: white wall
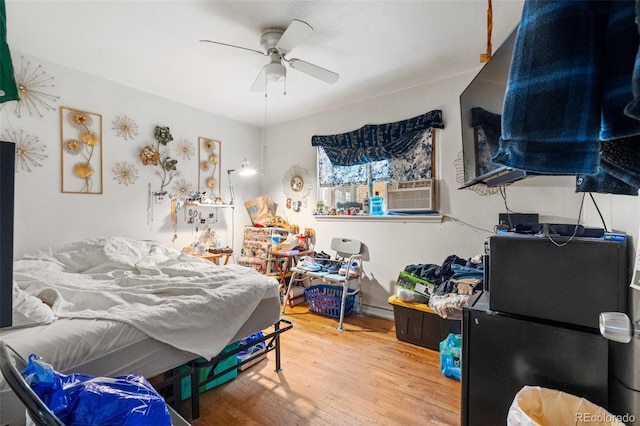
x=45 y=216
x=392 y=246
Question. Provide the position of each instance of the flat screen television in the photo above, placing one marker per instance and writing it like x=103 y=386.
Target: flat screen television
x=481 y=109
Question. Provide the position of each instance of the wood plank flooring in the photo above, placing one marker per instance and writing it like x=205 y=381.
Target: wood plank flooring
x=362 y=376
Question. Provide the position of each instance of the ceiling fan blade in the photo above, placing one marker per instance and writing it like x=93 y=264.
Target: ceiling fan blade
x=260 y=83
x=233 y=45
x=314 y=70
x=293 y=35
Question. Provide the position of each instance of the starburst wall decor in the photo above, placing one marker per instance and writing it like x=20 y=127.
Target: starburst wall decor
x=33 y=86
x=182 y=189
x=29 y=150
x=125 y=127
x=125 y=173
x=185 y=149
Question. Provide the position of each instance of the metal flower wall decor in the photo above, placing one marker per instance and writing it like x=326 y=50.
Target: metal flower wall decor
x=159 y=156
x=209 y=156
x=81 y=147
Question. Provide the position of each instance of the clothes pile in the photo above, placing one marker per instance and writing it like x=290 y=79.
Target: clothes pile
x=453 y=282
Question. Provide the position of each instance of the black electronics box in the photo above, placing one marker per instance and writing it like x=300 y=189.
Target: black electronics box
x=569 y=280
x=513 y=219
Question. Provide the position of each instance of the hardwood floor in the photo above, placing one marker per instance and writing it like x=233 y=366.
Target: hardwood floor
x=361 y=376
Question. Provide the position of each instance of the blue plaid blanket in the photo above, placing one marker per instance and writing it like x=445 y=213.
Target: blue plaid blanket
x=569 y=83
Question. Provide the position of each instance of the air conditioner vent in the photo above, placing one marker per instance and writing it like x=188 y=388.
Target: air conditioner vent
x=411 y=196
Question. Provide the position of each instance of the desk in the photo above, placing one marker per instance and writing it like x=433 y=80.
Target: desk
x=215 y=257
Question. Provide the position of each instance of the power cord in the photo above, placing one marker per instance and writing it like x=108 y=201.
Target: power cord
x=545 y=231
x=604 y=225
x=460 y=222
x=503 y=194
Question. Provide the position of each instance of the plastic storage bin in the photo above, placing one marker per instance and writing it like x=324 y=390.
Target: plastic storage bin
x=326 y=300
x=417 y=323
x=185 y=384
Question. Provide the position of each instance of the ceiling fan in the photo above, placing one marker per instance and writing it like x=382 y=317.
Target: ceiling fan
x=278 y=43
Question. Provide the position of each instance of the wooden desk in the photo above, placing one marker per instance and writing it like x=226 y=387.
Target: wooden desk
x=215 y=257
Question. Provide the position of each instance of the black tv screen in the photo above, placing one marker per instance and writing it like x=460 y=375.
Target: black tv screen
x=481 y=109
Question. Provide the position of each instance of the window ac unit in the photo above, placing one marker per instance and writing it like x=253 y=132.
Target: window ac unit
x=411 y=196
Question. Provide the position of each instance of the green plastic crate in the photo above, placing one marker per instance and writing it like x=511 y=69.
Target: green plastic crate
x=185 y=384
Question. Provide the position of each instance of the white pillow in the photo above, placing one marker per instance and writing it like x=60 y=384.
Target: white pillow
x=28 y=309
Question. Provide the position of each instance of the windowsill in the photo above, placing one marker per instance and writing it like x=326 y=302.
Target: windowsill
x=413 y=218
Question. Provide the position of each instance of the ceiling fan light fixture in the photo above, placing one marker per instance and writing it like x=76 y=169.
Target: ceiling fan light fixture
x=277 y=44
x=275 y=72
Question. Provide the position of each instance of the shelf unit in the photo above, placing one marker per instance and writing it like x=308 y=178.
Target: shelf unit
x=256 y=248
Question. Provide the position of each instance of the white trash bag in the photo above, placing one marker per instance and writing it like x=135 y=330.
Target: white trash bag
x=537 y=406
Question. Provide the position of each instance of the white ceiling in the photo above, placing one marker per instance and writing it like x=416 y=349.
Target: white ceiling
x=377 y=47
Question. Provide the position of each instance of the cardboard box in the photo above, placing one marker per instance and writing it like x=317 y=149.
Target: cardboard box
x=417 y=323
x=253 y=362
x=415 y=284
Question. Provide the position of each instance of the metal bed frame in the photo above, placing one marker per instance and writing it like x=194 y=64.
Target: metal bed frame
x=173 y=378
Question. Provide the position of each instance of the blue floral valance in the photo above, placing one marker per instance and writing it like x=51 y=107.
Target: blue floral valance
x=413 y=165
x=375 y=142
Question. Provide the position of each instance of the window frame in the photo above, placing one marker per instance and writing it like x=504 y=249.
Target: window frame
x=428 y=144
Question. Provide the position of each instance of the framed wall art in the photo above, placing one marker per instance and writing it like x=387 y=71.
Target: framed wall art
x=81 y=151
x=209 y=173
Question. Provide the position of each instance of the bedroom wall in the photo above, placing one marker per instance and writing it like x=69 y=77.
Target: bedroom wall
x=45 y=216
x=468 y=218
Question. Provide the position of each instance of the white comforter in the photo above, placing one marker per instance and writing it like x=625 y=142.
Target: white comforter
x=177 y=299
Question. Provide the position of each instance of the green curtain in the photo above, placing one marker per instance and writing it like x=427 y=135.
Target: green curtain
x=8 y=88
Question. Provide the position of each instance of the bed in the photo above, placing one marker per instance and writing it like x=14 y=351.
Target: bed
x=114 y=306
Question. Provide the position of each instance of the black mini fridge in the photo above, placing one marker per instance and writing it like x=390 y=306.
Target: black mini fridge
x=501 y=353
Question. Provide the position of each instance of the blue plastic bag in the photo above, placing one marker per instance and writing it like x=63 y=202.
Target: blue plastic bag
x=450 y=356
x=242 y=355
x=81 y=400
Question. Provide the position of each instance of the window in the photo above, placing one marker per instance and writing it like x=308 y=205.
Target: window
x=347 y=188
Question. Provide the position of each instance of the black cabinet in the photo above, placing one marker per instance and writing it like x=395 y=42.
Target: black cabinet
x=502 y=353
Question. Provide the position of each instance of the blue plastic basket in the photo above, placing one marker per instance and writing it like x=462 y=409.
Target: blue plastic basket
x=326 y=300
